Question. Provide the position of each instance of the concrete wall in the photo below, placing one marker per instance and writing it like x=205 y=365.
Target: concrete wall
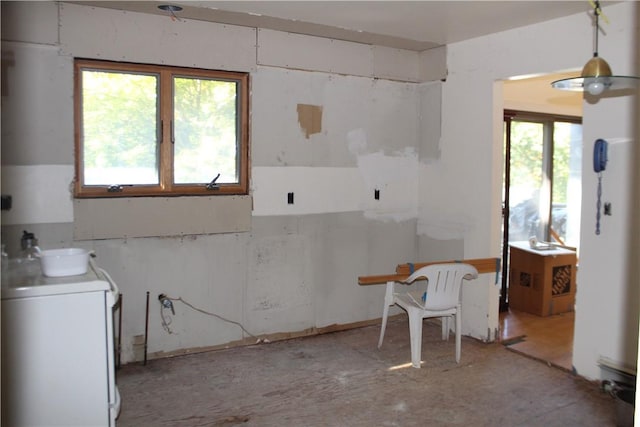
x=296 y=267
x=607 y=296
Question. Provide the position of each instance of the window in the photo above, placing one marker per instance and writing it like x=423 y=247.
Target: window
x=145 y=130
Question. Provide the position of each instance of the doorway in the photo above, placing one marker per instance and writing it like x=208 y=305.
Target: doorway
x=541 y=202
x=541 y=182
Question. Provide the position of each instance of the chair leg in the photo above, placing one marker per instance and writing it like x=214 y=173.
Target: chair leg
x=415 y=335
x=458 y=334
x=445 y=327
x=388 y=301
x=385 y=315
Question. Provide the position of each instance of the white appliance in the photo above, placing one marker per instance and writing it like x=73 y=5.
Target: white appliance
x=58 y=357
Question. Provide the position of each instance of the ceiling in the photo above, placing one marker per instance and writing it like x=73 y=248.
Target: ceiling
x=414 y=25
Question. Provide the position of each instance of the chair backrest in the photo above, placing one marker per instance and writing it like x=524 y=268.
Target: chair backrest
x=444 y=282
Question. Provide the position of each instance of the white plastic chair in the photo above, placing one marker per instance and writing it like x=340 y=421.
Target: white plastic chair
x=442 y=299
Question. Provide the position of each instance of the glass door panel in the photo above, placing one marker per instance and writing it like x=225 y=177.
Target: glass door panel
x=526 y=180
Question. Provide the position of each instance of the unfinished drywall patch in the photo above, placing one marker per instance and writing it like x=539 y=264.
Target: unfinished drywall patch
x=449 y=225
x=384 y=111
x=303 y=52
x=310 y=119
x=94 y=32
x=40 y=194
x=396 y=64
x=207 y=271
x=277 y=298
x=430 y=120
x=435 y=250
x=335 y=248
x=390 y=179
x=160 y=216
x=37 y=126
x=30 y=22
x=433 y=64
x=395 y=177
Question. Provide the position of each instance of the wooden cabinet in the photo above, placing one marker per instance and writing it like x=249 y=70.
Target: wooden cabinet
x=541 y=282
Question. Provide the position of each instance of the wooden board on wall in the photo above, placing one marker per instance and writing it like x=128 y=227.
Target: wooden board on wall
x=483 y=265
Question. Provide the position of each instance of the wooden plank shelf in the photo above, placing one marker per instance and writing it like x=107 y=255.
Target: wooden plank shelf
x=483 y=265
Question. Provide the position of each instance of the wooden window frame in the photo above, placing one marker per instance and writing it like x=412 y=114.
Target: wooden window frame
x=166 y=187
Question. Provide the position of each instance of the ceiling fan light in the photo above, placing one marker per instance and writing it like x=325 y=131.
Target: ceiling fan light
x=596 y=76
x=596 y=67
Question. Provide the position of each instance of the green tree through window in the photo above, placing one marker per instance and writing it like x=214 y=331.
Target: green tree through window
x=544 y=176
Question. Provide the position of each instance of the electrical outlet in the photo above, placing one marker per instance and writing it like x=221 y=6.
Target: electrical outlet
x=290 y=198
x=166 y=303
x=6 y=202
x=376 y=194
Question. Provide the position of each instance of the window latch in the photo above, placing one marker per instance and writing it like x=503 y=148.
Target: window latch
x=115 y=189
x=212 y=185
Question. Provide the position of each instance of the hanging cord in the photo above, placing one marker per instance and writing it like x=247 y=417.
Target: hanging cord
x=596 y=13
x=166 y=324
x=598 y=203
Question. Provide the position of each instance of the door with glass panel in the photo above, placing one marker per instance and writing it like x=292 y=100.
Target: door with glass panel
x=542 y=181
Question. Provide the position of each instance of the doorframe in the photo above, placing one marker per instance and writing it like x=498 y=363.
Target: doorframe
x=506 y=182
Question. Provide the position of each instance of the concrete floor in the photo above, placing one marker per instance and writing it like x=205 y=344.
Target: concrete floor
x=342 y=379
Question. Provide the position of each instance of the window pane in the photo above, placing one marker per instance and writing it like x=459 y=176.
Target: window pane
x=205 y=131
x=567 y=176
x=119 y=124
x=526 y=179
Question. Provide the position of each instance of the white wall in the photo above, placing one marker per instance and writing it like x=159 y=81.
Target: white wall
x=607 y=309
x=606 y=303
